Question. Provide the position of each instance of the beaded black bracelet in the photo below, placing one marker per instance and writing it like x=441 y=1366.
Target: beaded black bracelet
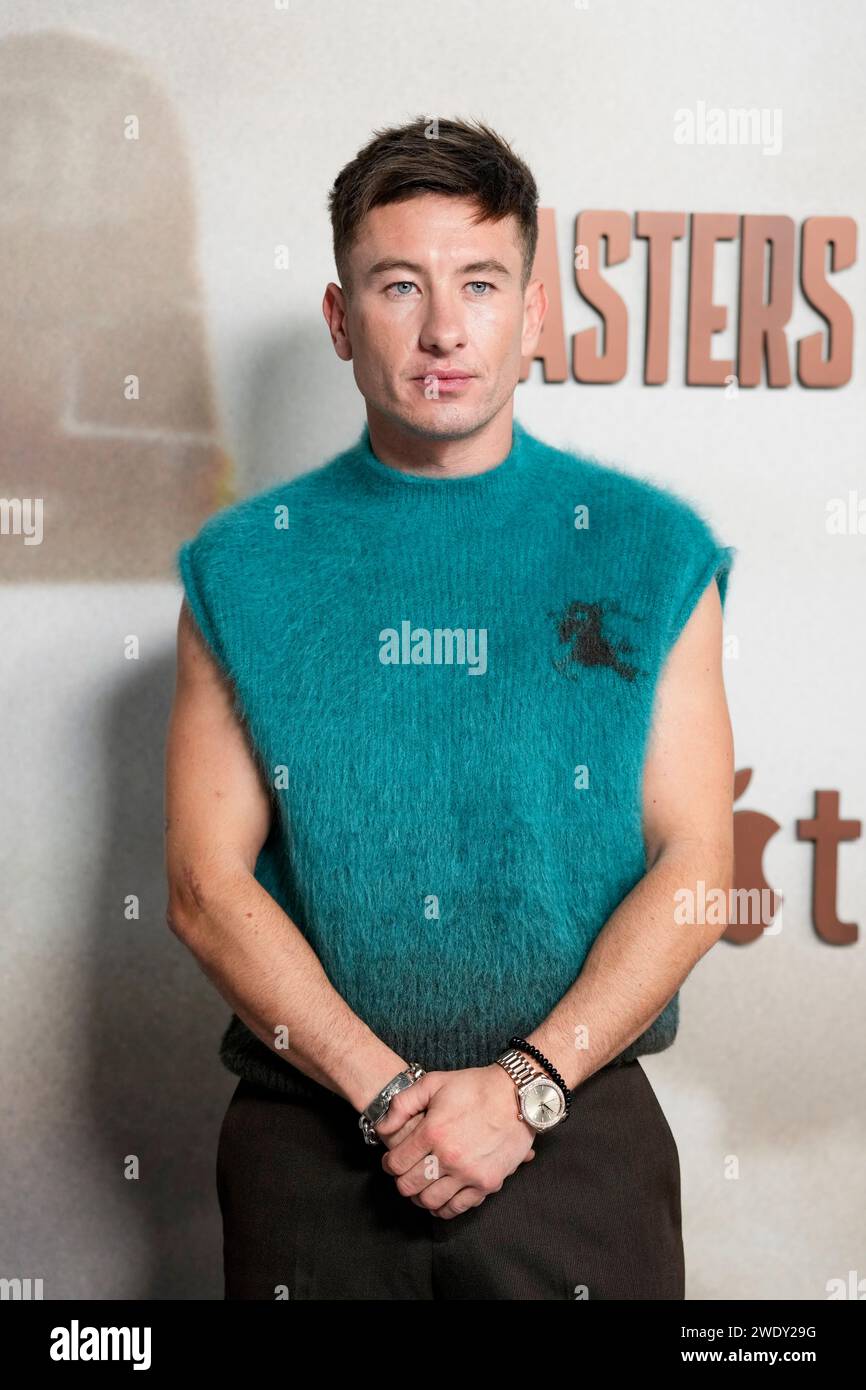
x=525 y=1046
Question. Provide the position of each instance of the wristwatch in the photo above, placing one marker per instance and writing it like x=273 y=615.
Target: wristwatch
x=542 y=1102
x=378 y=1108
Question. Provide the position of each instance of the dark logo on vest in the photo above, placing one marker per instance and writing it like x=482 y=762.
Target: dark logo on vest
x=582 y=625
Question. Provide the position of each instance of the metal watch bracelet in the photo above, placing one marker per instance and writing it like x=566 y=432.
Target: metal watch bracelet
x=532 y=1051
x=526 y=1077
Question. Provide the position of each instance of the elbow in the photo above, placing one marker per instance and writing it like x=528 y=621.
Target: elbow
x=704 y=870
x=726 y=870
x=175 y=915
x=187 y=900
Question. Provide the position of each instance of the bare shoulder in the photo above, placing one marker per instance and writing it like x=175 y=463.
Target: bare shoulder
x=196 y=663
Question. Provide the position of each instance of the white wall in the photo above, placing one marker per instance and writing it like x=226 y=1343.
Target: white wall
x=109 y=1044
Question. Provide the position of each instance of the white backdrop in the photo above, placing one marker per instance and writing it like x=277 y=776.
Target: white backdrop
x=110 y=1033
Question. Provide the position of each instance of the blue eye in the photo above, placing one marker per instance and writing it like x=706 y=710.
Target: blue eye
x=410 y=284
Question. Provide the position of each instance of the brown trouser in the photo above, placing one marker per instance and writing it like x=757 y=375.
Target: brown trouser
x=309 y=1213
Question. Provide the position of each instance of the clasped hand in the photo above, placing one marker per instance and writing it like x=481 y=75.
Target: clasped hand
x=453 y=1137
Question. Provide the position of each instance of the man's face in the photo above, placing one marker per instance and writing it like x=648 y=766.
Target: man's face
x=432 y=294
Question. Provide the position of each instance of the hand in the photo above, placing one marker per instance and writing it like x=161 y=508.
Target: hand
x=469 y=1141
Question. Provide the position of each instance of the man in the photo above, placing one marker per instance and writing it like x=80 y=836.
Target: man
x=449 y=743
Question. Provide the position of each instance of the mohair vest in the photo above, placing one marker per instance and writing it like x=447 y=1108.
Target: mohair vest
x=448 y=685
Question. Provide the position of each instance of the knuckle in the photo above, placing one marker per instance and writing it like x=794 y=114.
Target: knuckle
x=449 y=1155
x=474 y=1197
x=492 y=1181
x=482 y=1179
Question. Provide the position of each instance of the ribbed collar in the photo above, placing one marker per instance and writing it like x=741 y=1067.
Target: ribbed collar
x=475 y=497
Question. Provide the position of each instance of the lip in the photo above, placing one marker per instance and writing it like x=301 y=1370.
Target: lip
x=447 y=381
x=445 y=375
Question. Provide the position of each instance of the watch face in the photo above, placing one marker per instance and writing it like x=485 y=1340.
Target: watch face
x=542 y=1103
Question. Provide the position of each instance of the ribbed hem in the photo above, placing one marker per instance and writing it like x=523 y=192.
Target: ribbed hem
x=246 y=1056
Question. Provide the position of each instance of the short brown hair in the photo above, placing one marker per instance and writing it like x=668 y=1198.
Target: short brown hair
x=462 y=158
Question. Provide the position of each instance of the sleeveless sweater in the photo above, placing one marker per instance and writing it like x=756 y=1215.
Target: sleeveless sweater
x=448 y=686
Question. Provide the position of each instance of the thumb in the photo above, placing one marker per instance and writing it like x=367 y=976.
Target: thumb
x=407 y=1103
x=527 y=1158
x=392 y=1140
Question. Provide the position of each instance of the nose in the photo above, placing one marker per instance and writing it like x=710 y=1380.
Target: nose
x=443 y=329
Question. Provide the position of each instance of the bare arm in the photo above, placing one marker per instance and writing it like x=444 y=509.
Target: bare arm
x=217 y=819
x=642 y=955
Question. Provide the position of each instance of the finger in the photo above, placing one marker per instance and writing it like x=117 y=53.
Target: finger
x=423 y=1174
x=466 y=1198
x=392 y=1140
x=406 y=1104
x=436 y=1194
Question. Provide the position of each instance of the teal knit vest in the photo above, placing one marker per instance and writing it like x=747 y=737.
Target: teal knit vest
x=448 y=685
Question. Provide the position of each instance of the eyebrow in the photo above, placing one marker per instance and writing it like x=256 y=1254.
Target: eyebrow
x=490 y=266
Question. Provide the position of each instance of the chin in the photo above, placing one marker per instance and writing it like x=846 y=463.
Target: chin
x=441 y=419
